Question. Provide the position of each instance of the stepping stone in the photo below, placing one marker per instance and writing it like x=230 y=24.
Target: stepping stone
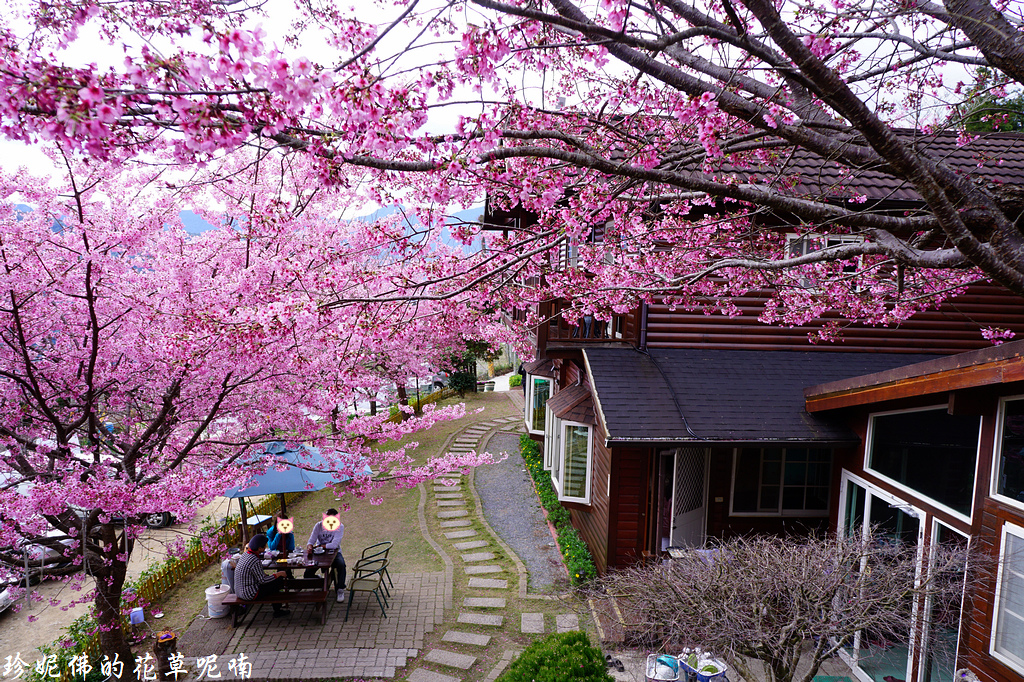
x=451 y=503
x=467 y=440
x=453 y=514
x=533 y=623
x=484 y=603
x=565 y=622
x=481 y=619
x=448 y=496
x=450 y=659
x=459 y=637
x=472 y=544
x=461 y=523
x=479 y=570
x=456 y=534
x=438 y=489
x=488 y=583
x=478 y=556
x=421 y=675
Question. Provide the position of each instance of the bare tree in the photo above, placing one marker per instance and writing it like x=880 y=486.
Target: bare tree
x=775 y=599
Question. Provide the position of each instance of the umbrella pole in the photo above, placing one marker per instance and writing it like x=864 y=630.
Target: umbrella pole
x=284 y=510
x=245 y=526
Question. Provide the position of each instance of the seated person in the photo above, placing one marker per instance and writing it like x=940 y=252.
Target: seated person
x=250 y=580
x=327 y=533
x=227 y=572
x=280 y=537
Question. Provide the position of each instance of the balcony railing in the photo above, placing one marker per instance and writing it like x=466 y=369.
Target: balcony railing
x=588 y=329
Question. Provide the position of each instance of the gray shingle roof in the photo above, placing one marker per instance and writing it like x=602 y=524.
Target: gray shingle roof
x=724 y=396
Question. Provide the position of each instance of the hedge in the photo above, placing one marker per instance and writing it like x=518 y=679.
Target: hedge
x=561 y=657
x=575 y=553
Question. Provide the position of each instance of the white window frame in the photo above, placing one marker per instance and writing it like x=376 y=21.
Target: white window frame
x=997 y=459
x=869 y=444
x=822 y=241
x=872 y=493
x=552 y=431
x=528 y=409
x=929 y=600
x=558 y=474
x=1016 y=664
x=780 y=512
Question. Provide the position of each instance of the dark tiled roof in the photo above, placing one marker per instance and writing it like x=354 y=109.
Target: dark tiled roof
x=724 y=396
x=540 y=368
x=992 y=157
x=574 y=403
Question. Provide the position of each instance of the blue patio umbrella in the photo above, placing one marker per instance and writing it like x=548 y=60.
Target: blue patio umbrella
x=295 y=469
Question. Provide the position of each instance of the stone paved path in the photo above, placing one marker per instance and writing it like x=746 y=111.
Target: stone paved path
x=489 y=571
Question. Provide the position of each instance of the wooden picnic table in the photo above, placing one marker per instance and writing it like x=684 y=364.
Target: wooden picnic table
x=295 y=590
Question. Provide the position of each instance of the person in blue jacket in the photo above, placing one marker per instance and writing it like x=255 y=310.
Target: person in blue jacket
x=281 y=537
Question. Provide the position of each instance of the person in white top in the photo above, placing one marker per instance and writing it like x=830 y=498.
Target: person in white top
x=327 y=534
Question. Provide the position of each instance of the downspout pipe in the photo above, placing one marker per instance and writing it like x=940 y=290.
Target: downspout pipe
x=643 y=325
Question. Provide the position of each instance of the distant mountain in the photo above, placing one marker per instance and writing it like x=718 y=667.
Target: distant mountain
x=194 y=224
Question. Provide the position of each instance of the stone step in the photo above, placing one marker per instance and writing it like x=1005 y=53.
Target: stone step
x=452 y=514
x=459 y=637
x=484 y=602
x=488 y=583
x=565 y=622
x=450 y=659
x=451 y=503
x=480 y=570
x=477 y=556
x=447 y=488
x=532 y=623
x=423 y=675
x=481 y=619
x=456 y=534
x=460 y=523
x=472 y=544
x=449 y=496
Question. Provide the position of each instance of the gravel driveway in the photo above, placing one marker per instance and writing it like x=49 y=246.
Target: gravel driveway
x=514 y=512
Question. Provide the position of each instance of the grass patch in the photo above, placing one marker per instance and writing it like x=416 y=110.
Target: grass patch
x=396 y=519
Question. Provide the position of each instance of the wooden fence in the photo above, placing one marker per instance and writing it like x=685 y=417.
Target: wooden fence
x=173 y=571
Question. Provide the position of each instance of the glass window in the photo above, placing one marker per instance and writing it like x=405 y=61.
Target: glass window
x=1010 y=478
x=1008 y=628
x=930 y=452
x=572 y=469
x=782 y=481
x=540 y=391
x=552 y=429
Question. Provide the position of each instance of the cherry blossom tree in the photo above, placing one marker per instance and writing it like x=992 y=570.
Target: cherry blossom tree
x=142 y=370
x=638 y=150
x=663 y=142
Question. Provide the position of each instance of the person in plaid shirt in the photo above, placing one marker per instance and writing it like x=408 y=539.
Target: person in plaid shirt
x=250 y=580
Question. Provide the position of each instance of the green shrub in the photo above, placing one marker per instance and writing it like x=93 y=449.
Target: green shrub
x=575 y=553
x=561 y=657
x=462 y=382
x=515 y=380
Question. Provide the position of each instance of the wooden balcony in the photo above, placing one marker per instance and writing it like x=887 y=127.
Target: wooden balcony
x=620 y=329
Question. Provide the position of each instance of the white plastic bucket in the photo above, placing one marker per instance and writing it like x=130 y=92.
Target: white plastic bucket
x=215 y=601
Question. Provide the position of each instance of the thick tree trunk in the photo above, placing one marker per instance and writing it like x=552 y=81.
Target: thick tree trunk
x=109 y=585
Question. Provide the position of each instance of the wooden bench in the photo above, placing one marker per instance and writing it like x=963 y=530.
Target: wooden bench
x=296 y=591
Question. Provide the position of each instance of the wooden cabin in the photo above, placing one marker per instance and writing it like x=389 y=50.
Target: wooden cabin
x=663 y=428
